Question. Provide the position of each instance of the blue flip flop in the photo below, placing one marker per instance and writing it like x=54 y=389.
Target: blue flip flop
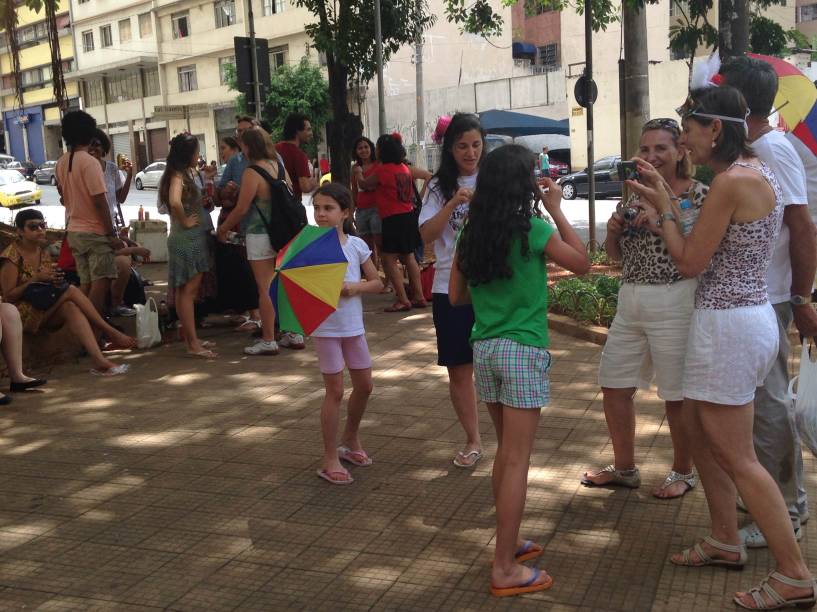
x=531 y=586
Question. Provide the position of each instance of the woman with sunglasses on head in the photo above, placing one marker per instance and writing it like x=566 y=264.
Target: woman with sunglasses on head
x=649 y=333
x=38 y=289
x=733 y=340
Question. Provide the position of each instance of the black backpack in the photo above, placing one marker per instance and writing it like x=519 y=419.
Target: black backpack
x=288 y=213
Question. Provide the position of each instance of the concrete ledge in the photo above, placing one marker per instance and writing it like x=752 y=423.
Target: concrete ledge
x=570 y=327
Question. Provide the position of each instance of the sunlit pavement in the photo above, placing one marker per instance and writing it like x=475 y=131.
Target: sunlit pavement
x=191 y=485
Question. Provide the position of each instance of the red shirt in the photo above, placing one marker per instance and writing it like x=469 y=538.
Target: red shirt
x=296 y=162
x=366 y=199
x=324 y=165
x=394 y=194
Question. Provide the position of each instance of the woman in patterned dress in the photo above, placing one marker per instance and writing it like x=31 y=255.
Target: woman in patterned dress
x=187 y=243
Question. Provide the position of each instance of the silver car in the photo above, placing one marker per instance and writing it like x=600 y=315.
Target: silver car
x=150 y=176
x=45 y=173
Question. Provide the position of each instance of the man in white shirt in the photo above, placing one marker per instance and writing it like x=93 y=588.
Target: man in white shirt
x=790 y=279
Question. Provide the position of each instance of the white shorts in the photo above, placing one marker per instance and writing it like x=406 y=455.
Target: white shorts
x=730 y=353
x=648 y=338
x=259 y=247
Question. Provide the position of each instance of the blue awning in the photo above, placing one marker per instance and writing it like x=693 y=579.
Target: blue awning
x=523 y=49
x=520 y=124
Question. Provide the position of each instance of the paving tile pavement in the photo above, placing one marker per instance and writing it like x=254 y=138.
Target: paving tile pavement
x=190 y=485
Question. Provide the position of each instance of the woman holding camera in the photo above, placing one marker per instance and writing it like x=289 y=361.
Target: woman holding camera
x=649 y=333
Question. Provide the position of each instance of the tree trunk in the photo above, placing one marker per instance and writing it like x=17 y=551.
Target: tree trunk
x=733 y=27
x=344 y=126
x=636 y=102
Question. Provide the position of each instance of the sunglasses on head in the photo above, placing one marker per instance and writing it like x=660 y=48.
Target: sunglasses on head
x=41 y=225
x=662 y=123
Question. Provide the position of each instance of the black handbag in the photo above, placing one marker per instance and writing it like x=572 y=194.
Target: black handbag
x=43 y=296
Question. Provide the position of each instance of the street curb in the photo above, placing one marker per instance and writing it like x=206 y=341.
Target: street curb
x=570 y=327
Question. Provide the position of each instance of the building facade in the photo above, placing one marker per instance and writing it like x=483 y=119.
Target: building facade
x=31 y=130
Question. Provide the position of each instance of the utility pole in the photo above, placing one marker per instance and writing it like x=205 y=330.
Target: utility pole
x=636 y=99
x=421 y=118
x=588 y=73
x=378 y=42
x=256 y=82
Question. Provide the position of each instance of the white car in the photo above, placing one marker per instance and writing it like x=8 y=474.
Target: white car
x=16 y=191
x=150 y=176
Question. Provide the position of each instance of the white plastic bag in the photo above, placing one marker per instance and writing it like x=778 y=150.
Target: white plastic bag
x=147 y=324
x=805 y=400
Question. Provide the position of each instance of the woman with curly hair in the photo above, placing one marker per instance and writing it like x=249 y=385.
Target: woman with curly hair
x=500 y=267
x=367 y=221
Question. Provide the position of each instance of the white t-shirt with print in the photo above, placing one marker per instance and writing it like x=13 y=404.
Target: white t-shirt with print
x=113 y=183
x=444 y=245
x=347 y=320
x=776 y=151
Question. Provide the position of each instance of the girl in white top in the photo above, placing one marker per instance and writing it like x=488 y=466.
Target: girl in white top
x=444 y=211
x=340 y=341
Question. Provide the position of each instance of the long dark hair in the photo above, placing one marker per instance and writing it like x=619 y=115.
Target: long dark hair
x=448 y=172
x=182 y=148
x=373 y=154
x=499 y=212
x=341 y=194
x=390 y=150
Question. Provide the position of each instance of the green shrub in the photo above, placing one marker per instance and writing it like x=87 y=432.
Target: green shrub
x=591 y=299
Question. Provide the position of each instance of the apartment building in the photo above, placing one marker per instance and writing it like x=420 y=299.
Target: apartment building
x=139 y=57
x=806 y=17
x=537 y=37
x=118 y=74
x=31 y=131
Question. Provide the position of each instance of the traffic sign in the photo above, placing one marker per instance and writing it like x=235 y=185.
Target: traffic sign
x=585 y=91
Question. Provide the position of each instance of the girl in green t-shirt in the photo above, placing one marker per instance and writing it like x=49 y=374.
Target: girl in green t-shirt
x=499 y=266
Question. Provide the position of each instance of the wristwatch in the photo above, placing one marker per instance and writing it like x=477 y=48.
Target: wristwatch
x=800 y=300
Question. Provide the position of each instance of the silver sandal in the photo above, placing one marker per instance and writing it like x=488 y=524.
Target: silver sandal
x=777 y=601
x=704 y=559
x=621 y=478
x=690 y=480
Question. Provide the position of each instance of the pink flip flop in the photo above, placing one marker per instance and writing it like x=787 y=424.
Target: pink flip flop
x=359 y=458
x=336 y=477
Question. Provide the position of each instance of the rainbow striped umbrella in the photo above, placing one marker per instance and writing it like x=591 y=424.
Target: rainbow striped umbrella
x=308 y=280
x=796 y=100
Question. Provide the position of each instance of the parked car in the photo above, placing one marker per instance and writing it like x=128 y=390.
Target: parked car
x=45 y=173
x=26 y=168
x=16 y=191
x=150 y=176
x=6 y=159
x=558 y=168
x=607 y=181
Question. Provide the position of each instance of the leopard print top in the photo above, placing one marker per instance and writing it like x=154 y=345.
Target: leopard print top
x=644 y=256
x=736 y=276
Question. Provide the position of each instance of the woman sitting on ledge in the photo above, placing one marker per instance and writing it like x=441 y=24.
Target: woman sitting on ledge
x=30 y=281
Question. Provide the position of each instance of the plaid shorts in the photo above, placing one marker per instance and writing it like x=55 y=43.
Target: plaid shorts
x=512 y=374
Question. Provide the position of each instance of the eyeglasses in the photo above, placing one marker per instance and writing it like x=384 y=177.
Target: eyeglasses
x=662 y=123
x=42 y=225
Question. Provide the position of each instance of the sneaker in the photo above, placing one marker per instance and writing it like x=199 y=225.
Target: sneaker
x=123 y=311
x=262 y=347
x=752 y=537
x=292 y=341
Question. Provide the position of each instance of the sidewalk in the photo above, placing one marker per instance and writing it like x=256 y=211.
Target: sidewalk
x=191 y=485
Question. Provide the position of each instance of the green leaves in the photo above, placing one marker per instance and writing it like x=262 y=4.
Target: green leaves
x=767 y=37
x=300 y=89
x=591 y=299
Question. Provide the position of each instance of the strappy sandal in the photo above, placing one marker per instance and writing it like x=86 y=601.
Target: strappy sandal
x=467 y=460
x=621 y=478
x=249 y=325
x=704 y=559
x=690 y=480
x=778 y=602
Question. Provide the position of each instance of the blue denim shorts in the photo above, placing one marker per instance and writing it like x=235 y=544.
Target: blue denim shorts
x=367 y=221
